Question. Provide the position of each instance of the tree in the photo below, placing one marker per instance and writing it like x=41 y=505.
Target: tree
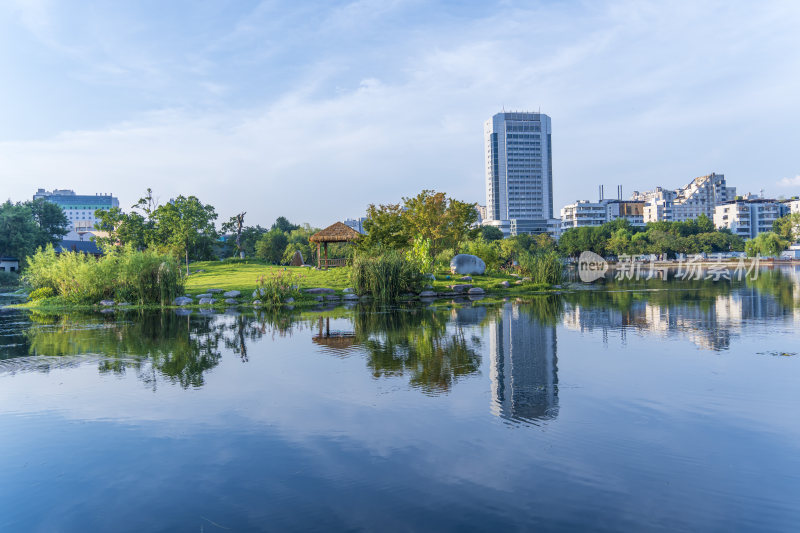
x=788 y=227
x=767 y=244
x=445 y=221
x=53 y=223
x=18 y=230
x=186 y=225
x=282 y=224
x=235 y=224
x=384 y=226
x=271 y=246
x=27 y=226
x=491 y=233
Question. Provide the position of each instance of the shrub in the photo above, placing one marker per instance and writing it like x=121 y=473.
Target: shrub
x=442 y=259
x=41 y=293
x=385 y=276
x=543 y=268
x=420 y=254
x=8 y=279
x=486 y=250
x=276 y=288
x=144 y=277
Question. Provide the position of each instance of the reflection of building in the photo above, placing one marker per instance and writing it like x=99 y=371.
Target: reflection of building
x=524 y=366
x=711 y=327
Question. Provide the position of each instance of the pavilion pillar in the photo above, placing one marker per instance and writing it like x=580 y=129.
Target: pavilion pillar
x=319 y=256
x=326 y=255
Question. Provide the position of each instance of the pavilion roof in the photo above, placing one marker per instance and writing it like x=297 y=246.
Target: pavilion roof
x=336 y=232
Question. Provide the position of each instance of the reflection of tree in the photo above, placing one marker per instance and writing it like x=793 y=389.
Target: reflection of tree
x=418 y=342
x=179 y=348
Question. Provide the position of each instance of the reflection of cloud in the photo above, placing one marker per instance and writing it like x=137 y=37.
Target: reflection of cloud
x=790 y=182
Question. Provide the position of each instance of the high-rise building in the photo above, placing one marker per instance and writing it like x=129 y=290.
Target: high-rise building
x=79 y=208
x=519 y=172
x=699 y=197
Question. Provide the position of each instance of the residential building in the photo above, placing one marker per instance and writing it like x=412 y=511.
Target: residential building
x=585 y=213
x=793 y=205
x=699 y=197
x=519 y=172
x=481 y=209
x=79 y=208
x=748 y=216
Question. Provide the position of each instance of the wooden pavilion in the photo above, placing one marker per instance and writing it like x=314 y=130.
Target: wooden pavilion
x=336 y=232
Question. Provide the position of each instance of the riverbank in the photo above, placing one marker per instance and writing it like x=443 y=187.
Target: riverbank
x=225 y=284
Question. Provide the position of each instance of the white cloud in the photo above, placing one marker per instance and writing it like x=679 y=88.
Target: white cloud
x=640 y=95
x=790 y=182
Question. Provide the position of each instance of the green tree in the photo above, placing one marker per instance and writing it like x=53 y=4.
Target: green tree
x=283 y=224
x=384 y=226
x=271 y=246
x=52 y=221
x=788 y=227
x=491 y=233
x=768 y=244
x=186 y=225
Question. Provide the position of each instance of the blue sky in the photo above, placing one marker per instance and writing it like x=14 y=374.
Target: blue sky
x=314 y=110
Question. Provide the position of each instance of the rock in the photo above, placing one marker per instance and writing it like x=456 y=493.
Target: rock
x=204 y=295
x=427 y=294
x=256 y=302
x=348 y=290
x=519 y=282
x=289 y=300
x=430 y=276
x=350 y=296
x=526 y=279
x=231 y=301
x=320 y=290
x=214 y=291
x=106 y=303
x=460 y=287
x=504 y=284
x=232 y=294
x=206 y=301
x=554 y=286
x=318 y=298
x=297 y=259
x=476 y=291
x=467 y=264
x=428 y=287
x=331 y=296
x=465 y=278
x=182 y=300
x=122 y=304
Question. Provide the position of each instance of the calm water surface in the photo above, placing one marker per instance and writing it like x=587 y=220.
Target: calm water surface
x=627 y=409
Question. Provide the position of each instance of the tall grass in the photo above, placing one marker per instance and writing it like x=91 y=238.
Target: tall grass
x=384 y=275
x=122 y=274
x=542 y=268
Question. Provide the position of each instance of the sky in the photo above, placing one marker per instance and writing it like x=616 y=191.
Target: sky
x=315 y=110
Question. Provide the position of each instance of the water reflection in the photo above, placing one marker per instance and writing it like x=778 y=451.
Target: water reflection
x=524 y=364
x=431 y=347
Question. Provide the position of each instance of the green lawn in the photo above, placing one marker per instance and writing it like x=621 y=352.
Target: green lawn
x=242 y=276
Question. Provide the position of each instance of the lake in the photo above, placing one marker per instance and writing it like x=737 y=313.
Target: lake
x=641 y=406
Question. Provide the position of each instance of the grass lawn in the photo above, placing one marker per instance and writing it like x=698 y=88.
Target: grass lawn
x=242 y=276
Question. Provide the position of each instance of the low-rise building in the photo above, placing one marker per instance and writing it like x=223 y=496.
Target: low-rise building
x=584 y=213
x=748 y=216
x=9 y=264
